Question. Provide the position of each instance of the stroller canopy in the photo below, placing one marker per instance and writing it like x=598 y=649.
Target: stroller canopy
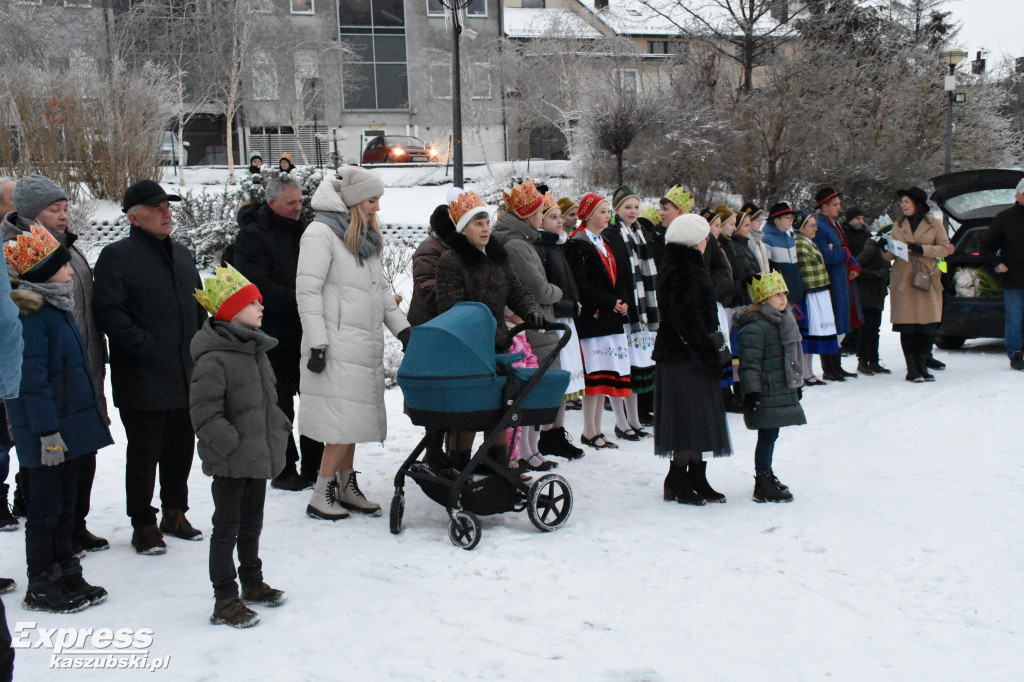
x=457 y=343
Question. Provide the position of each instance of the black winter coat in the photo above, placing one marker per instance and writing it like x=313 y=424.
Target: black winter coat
x=267 y=253
x=744 y=266
x=686 y=302
x=873 y=282
x=423 y=306
x=468 y=274
x=1004 y=243
x=558 y=272
x=623 y=269
x=721 y=272
x=856 y=239
x=145 y=304
x=597 y=292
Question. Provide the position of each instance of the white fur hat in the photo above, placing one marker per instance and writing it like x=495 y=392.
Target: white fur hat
x=358 y=184
x=688 y=230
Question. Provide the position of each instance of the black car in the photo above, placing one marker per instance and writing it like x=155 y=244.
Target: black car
x=971 y=199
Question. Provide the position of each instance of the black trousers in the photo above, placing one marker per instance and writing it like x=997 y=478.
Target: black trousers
x=6 y=652
x=286 y=369
x=867 y=337
x=83 y=495
x=237 y=521
x=156 y=438
x=51 y=518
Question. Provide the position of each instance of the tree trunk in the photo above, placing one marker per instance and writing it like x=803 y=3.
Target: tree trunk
x=229 y=115
x=618 y=167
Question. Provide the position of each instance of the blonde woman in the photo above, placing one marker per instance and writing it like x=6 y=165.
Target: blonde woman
x=343 y=302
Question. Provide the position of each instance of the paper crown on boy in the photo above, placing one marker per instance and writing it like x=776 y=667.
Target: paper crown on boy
x=767 y=285
x=36 y=256
x=651 y=213
x=226 y=293
x=464 y=208
x=680 y=198
x=523 y=199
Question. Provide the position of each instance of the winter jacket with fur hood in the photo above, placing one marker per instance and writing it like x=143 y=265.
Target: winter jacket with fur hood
x=241 y=431
x=468 y=274
x=343 y=305
x=57 y=392
x=84 y=313
x=423 y=306
x=763 y=370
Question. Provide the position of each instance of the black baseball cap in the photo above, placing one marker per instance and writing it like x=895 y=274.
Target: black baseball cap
x=146 y=192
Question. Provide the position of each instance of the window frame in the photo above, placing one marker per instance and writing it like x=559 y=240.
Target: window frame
x=469 y=15
x=311 y=11
x=371 y=30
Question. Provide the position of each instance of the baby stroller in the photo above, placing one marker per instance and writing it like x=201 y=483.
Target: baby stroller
x=452 y=381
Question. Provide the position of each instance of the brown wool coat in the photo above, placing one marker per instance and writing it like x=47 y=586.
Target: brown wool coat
x=908 y=304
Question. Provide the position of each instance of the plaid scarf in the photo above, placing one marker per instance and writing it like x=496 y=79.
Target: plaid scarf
x=645 y=279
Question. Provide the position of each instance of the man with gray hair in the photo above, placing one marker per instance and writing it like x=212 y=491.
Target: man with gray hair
x=267 y=253
x=145 y=303
x=1003 y=243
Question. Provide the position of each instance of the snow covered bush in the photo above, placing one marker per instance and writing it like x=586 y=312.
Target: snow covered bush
x=309 y=178
x=206 y=223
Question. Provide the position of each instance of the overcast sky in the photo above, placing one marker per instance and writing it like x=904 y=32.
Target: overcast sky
x=994 y=25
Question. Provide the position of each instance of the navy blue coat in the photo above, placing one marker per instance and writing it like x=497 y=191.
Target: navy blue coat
x=844 y=297
x=57 y=390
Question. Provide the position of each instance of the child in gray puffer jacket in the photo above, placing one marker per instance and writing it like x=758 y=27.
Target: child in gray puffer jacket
x=242 y=436
x=771 y=376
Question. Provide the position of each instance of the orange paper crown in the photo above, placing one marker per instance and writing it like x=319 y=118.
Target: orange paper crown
x=548 y=202
x=523 y=200
x=30 y=250
x=464 y=208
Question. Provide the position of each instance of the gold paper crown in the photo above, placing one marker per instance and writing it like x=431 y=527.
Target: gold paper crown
x=30 y=249
x=679 y=196
x=651 y=213
x=462 y=210
x=217 y=290
x=523 y=199
x=548 y=202
x=767 y=285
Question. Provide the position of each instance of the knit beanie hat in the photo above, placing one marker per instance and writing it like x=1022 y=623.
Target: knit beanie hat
x=621 y=194
x=36 y=256
x=688 y=230
x=254 y=155
x=853 y=212
x=358 y=184
x=724 y=211
x=464 y=208
x=768 y=284
x=565 y=203
x=33 y=193
x=523 y=199
x=226 y=293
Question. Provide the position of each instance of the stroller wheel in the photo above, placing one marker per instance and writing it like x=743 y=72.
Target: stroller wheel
x=550 y=502
x=397 y=511
x=464 y=530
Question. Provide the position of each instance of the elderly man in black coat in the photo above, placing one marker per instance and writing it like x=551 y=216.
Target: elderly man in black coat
x=145 y=304
x=267 y=253
x=1003 y=243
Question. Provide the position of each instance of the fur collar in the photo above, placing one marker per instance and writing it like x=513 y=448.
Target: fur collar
x=472 y=257
x=28 y=302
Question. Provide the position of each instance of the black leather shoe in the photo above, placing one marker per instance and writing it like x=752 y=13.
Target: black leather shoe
x=828 y=376
x=290 y=481
x=593 y=442
x=932 y=363
x=628 y=434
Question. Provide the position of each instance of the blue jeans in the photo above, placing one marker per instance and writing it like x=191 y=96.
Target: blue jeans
x=1013 y=304
x=764 y=450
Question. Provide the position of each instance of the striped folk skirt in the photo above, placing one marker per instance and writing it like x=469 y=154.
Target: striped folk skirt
x=606 y=365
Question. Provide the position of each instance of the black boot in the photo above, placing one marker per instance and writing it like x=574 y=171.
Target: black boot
x=698 y=476
x=865 y=368
x=922 y=367
x=46 y=592
x=19 y=505
x=556 y=442
x=8 y=521
x=910 y=356
x=87 y=541
x=877 y=368
x=677 y=486
x=831 y=369
x=765 y=490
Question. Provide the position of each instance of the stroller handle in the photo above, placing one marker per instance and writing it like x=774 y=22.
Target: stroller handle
x=549 y=325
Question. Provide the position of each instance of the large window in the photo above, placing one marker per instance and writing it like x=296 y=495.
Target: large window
x=375 y=66
x=476 y=8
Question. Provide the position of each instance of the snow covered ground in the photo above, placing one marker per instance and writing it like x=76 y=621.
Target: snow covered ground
x=900 y=559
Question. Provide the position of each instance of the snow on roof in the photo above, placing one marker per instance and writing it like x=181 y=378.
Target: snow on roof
x=632 y=17
x=528 y=22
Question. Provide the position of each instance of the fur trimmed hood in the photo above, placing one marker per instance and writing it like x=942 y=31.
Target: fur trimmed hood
x=747 y=315
x=28 y=302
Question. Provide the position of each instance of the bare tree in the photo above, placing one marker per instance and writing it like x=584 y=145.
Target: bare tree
x=616 y=116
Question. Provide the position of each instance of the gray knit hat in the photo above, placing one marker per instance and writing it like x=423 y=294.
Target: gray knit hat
x=358 y=184
x=33 y=193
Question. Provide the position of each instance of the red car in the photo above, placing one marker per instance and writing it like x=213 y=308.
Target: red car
x=398 y=149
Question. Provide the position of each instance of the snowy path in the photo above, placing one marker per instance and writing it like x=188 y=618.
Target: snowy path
x=899 y=559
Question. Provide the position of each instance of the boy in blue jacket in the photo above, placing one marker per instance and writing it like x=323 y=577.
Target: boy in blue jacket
x=55 y=419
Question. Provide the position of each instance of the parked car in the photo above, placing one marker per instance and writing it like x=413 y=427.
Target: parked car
x=971 y=199
x=398 y=149
x=169 y=150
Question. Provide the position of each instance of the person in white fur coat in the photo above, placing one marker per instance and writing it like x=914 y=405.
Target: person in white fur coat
x=344 y=300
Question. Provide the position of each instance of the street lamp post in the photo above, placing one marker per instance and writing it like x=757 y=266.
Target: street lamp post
x=455 y=9
x=951 y=57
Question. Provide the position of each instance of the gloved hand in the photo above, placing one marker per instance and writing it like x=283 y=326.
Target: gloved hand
x=915 y=249
x=53 y=449
x=403 y=336
x=535 y=320
x=317 y=360
x=752 y=401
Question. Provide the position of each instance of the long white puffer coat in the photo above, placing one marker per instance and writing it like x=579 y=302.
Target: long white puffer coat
x=343 y=306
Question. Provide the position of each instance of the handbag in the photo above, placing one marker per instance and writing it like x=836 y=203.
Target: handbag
x=923 y=280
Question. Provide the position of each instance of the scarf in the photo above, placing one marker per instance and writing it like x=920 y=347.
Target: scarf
x=60 y=296
x=790 y=333
x=645 y=279
x=264 y=341
x=369 y=244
